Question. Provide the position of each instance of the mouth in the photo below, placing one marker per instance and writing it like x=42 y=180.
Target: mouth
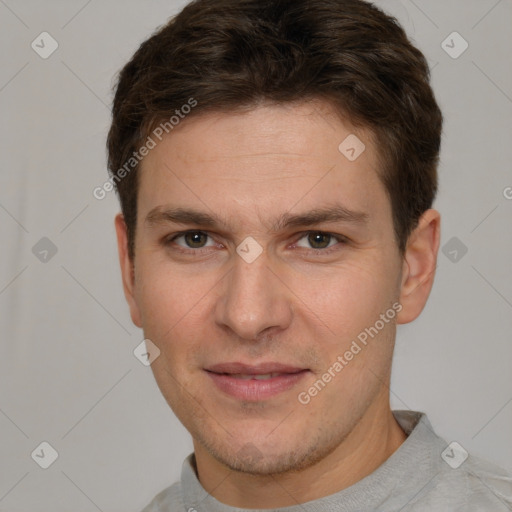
x=255 y=382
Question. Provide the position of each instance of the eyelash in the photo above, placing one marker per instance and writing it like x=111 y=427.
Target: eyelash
x=340 y=239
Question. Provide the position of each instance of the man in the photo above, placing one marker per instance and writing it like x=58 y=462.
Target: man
x=276 y=167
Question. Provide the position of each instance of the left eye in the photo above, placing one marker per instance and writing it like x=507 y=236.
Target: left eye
x=317 y=240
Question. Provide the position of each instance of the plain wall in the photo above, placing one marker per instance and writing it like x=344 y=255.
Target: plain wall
x=68 y=375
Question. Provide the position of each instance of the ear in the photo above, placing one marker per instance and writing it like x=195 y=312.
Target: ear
x=127 y=269
x=419 y=265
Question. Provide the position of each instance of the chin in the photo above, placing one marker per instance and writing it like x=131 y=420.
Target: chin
x=265 y=459
x=252 y=461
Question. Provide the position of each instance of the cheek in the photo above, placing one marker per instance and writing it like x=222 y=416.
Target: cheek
x=349 y=298
x=174 y=309
x=170 y=299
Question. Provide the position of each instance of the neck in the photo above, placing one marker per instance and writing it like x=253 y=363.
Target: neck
x=369 y=444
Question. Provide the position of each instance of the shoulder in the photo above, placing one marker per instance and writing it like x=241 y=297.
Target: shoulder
x=488 y=483
x=168 y=500
x=475 y=486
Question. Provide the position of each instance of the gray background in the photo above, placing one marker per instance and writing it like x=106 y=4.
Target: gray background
x=68 y=375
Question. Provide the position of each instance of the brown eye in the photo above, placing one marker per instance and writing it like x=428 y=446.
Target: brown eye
x=195 y=239
x=190 y=240
x=319 y=240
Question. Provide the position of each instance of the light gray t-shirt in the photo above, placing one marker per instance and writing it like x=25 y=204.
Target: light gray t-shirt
x=424 y=474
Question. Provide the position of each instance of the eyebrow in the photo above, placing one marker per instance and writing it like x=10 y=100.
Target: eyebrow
x=337 y=213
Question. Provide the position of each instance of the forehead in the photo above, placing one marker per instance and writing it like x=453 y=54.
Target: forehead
x=302 y=129
x=273 y=157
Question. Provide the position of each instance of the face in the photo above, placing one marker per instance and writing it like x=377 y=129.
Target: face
x=262 y=249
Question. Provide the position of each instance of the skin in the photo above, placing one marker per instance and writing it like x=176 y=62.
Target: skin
x=298 y=303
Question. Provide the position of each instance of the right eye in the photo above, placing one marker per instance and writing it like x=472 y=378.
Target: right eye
x=191 y=239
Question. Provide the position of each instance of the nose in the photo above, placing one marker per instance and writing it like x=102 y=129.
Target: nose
x=254 y=300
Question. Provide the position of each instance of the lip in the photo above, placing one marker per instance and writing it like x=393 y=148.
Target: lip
x=255 y=390
x=254 y=369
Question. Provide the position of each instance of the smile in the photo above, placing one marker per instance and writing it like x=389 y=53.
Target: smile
x=254 y=383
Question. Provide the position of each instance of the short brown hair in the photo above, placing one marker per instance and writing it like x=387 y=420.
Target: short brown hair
x=233 y=54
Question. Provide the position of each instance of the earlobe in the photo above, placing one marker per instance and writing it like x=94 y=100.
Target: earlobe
x=127 y=269
x=420 y=261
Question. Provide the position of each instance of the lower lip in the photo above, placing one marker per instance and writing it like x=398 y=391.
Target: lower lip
x=255 y=390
